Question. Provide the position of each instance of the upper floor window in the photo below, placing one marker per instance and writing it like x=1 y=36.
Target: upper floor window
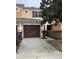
x=37 y=14
x=17 y=9
x=26 y=12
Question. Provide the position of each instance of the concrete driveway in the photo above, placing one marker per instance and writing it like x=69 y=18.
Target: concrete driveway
x=35 y=48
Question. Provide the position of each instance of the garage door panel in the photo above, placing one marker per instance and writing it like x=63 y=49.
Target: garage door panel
x=31 y=31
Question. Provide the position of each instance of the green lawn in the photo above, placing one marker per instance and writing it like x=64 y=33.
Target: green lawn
x=56 y=43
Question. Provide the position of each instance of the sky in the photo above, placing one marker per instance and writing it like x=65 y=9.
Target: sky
x=29 y=3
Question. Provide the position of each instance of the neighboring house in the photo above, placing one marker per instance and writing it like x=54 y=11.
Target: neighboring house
x=58 y=27
x=30 y=18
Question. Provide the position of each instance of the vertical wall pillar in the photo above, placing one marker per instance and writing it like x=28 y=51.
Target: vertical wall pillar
x=22 y=30
x=40 y=32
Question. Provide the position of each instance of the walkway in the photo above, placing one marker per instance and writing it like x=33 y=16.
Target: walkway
x=35 y=48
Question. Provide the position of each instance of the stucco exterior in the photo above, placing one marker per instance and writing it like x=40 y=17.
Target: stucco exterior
x=19 y=13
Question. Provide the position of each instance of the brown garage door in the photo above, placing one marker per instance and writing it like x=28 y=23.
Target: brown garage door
x=31 y=31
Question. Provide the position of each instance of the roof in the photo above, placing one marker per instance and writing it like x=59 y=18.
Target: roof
x=28 y=20
x=19 y=5
x=32 y=8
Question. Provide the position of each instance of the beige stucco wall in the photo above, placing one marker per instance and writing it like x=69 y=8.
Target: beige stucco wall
x=22 y=14
x=28 y=14
x=19 y=13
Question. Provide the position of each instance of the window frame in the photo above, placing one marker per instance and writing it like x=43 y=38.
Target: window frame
x=36 y=13
x=17 y=9
x=25 y=12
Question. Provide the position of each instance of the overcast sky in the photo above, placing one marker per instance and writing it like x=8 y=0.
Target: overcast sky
x=29 y=3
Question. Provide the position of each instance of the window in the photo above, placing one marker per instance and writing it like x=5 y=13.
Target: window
x=17 y=9
x=40 y=14
x=26 y=12
x=37 y=14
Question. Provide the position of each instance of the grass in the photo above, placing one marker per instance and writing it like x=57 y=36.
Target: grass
x=56 y=43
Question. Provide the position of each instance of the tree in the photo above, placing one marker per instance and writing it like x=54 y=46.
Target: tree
x=51 y=10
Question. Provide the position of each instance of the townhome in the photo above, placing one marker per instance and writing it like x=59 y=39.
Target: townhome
x=30 y=20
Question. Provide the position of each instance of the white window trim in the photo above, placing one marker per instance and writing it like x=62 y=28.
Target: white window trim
x=26 y=13
x=37 y=14
x=18 y=9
